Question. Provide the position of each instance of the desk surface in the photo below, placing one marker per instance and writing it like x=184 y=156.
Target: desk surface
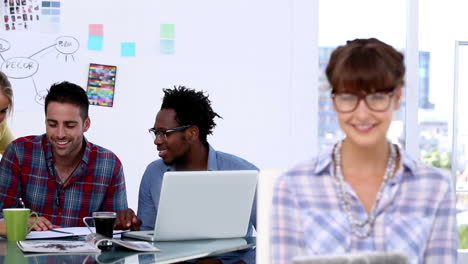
x=171 y=252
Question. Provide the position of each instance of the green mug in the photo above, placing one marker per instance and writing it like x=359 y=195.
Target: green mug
x=16 y=220
x=14 y=254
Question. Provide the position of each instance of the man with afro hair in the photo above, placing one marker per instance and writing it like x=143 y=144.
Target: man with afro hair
x=180 y=134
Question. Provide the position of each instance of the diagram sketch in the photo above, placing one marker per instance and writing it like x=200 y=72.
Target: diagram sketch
x=27 y=67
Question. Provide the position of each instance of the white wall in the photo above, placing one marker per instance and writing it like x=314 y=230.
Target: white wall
x=256 y=59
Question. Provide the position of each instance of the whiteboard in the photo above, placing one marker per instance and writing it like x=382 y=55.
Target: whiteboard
x=257 y=60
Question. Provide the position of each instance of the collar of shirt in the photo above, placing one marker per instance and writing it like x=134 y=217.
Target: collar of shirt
x=47 y=147
x=324 y=165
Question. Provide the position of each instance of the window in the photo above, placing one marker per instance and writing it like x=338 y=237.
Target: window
x=340 y=21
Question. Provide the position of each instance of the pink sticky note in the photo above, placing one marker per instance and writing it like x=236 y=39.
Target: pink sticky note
x=96 y=30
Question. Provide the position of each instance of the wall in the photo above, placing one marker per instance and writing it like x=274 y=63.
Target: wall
x=256 y=60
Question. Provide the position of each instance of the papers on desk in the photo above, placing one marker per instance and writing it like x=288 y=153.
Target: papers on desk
x=90 y=245
x=65 y=232
x=57 y=246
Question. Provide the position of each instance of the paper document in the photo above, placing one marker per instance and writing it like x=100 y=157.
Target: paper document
x=46 y=234
x=65 y=232
x=88 y=246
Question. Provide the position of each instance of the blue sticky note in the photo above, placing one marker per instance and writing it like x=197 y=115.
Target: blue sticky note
x=55 y=11
x=55 y=4
x=128 y=49
x=54 y=19
x=166 y=46
x=45 y=11
x=95 y=42
x=45 y=4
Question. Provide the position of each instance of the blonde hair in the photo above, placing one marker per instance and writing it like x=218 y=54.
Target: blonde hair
x=5 y=89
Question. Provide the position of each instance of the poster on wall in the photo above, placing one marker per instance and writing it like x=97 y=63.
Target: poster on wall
x=101 y=84
x=20 y=15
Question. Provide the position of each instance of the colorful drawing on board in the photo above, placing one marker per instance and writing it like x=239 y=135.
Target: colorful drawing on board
x=51 y=11
x=20 y=14
x=101 y=84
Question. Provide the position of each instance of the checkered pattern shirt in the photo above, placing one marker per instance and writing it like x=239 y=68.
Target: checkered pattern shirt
x=27 y=171
x=416 y=214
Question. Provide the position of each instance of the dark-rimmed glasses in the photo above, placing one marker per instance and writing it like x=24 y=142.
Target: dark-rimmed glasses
x=162 y=133
x=348 y=102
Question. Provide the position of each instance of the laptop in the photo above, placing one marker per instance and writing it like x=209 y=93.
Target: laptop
x=202 y=205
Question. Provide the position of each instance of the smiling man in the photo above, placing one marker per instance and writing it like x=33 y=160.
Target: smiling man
x=180 y=134
x=60 y=175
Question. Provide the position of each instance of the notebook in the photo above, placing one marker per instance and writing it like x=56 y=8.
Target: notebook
x=202 y=205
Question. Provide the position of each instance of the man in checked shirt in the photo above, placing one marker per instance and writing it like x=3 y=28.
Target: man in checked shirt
x=60 y=175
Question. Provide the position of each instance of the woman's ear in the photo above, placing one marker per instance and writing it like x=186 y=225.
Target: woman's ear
x=398 y=96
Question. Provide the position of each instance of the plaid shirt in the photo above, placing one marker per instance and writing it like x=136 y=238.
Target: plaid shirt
x=416 y=214
x=27 y=171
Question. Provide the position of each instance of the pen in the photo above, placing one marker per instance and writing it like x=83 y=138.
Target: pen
x=59 y=231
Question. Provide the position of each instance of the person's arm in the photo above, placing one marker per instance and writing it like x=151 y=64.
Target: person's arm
x=6 y=138
x=10 y=188
x=116 y=197
x=10 y=179
x=443 y=241
x=150 y=185
x=285 y=237
x=116 y=200
x=2 y=227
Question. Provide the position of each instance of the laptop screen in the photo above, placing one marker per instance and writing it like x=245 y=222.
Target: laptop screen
x=205 y=204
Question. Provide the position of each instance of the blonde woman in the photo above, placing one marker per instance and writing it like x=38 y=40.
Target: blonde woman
x=6 y=106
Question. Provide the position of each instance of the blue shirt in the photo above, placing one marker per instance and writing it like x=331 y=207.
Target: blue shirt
x=150 y=189
x=415 y=216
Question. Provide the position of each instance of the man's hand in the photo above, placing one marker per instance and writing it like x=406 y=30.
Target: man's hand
x=42 y=224
x=126 y=219
x=2 y=228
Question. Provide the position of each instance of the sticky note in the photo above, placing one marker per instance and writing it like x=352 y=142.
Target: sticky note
x=166 y=46
x=45 y=3
x=55 y=4
x=53 y=28
x=167 y=31
x=54 y=19
x=45 y=11
x=128 y=49
x=55 y=11
x=96 y=29
x=95 y=42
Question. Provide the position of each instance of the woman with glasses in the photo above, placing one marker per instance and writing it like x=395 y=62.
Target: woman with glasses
x=365 y=193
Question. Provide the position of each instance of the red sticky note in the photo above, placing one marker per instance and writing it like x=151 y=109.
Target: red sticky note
x=96 y=30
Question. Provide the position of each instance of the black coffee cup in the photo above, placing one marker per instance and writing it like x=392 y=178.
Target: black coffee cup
x=104 y=223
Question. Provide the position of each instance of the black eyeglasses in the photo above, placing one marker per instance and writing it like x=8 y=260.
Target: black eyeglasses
x=348 y=102
x=162 y=133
